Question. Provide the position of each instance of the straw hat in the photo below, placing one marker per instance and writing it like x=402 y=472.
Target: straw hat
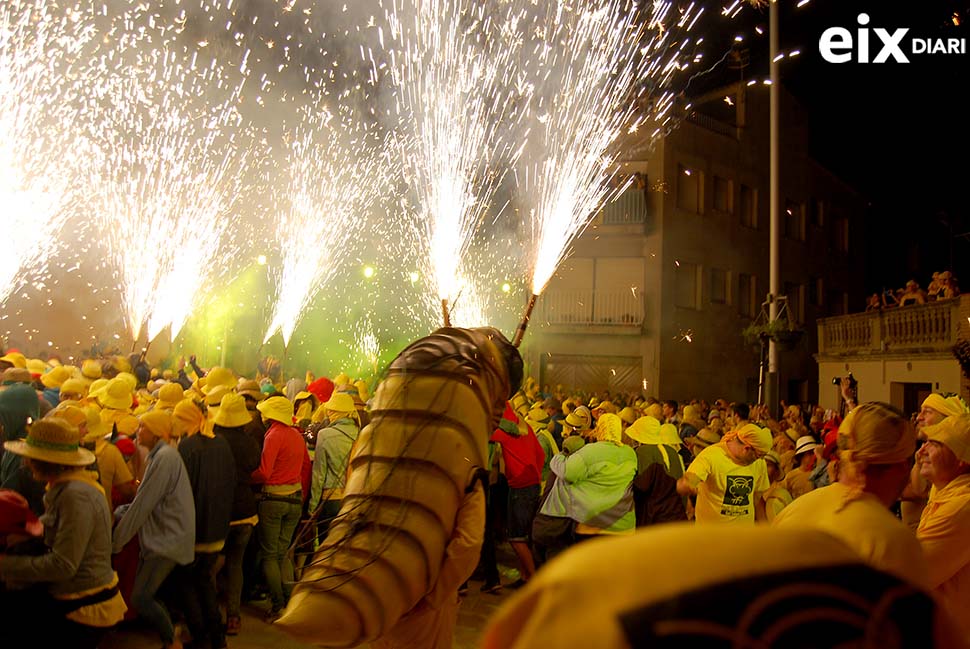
x=805 y=444
x=52 y=440
x=232 y=412
x=278 y=409
x=13 y=375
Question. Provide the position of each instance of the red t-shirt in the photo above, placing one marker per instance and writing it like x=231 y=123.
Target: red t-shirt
x=524 y=458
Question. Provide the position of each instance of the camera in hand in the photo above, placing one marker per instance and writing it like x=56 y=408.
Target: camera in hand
x=838 y=379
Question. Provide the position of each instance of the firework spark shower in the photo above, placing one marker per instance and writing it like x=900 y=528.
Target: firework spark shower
x=167 y=153
x=454 y=75
x=593 y=64
x=37 y=81
x=335 y=173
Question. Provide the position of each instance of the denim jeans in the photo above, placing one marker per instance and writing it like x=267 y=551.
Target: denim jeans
x=277 y=523
x=151 y=574
x=197 y=592
x=235 y=550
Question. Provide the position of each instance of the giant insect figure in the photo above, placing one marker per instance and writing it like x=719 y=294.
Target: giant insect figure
x=409 y=471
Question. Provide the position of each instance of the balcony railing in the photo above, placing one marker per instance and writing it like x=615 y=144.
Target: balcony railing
x=616 y=308
x=925 y=327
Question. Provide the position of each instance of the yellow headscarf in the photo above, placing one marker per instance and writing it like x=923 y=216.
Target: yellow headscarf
x=872 y=433
x=752 y=435
x=948 y=406
x=190 y=420
x=609 y=428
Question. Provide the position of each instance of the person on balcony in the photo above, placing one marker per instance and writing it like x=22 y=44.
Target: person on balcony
x=950 y=287
x=912 y=295
x=874 y=303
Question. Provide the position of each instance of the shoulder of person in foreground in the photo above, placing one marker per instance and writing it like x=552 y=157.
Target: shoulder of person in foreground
x=698 y=598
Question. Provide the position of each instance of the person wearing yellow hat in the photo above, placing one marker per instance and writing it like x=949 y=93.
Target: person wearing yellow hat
x=578 y=423
x=284 y=473
x=730 y=478
x=73 y=390
x=168 y=395
x=335 y=436
x=212 y=473
x=592 y=485
x=52 y=381
x=115 y=476
x=944 y=461
x=934 y=409
x=876 y=444
x=36 y=367
x=77 y=530
x=163 y=516
x=13 y=359
x=654 y=410
x=231 y=423
x=304 y=405
x=659 y=467
x=538 y=420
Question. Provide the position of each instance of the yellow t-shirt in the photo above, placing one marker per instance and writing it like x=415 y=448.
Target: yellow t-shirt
x=727 y=490
x=112 y=467
x=865 y=525
x=798 y=482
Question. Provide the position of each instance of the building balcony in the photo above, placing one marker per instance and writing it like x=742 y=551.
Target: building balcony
x=920 y=329
x=606 y=311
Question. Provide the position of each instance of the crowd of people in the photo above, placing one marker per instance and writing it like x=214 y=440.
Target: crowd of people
x=177 y=494
x=943 y=286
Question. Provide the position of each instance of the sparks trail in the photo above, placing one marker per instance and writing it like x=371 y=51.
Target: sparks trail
x=39 y=45
x=166 y=159
x=336 y=171
x=454 y=74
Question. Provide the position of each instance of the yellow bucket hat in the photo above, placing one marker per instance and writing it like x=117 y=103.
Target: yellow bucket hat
x=169 y=395
x=16 y=359
x=56 y=377
x=232 y=412
x=74 y=387
x=340 y=402
x=645 y=430
x=628 y=414
x=277 y=409
x=36 y=366
x=219 y=377
x=116 y=394
x=91 y=369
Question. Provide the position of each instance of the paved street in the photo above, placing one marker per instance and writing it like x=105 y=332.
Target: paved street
x=476 y=607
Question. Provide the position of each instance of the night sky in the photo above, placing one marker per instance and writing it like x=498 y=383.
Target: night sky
x=895 y=131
